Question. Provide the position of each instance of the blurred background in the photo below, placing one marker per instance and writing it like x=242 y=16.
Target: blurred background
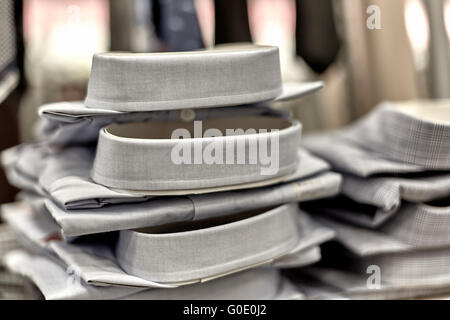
x=366 y=51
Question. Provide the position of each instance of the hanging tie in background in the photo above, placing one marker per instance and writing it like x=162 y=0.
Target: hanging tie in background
x=231 y=21
x=176 y=24
x=316 y=37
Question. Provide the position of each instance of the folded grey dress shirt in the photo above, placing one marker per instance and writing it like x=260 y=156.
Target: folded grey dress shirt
x=411 y=248
x=412 y=266
x=394 y=207
x=160 y=211
x=98 y=264
x=414 y=227
x=371 y=202
x=376 y=175
x=416 y=133
x=56 y=282
x=69 y=123
x=65 y=176
x=392 y=138
x=327 y=283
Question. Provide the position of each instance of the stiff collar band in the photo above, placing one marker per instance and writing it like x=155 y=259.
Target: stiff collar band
x=146 y=156
x=226 y=76
x=192 y=251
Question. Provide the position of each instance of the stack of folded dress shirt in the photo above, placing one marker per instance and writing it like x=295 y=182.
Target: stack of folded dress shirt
x=141 y=193
x=392 y=218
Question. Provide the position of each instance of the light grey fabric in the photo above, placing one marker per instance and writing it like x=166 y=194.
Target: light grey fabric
x=258 y=284
x=363 y=242
x=307 y=257
x=96 y=263
x=31 y=161
x=173 y=256
x=22 y=218
x=195 y=207
x=347 y=157
x=64 y=175
x=372 y=202
x=371 y=179
x=411 y=250
x=198 y=79
x=7 y=241
x=66 y=123
x=417 y=134
x=65 y=178
x=421 y=225
x=313 y=187
x=120 y=217
x=25 y=178
x=387 y=194
x=56 y=283
x=396 y=186
x=390 y=139
x=426 y=267
x=326 y=283
x=415 y=226
x=139 y=156
x=420 y=266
